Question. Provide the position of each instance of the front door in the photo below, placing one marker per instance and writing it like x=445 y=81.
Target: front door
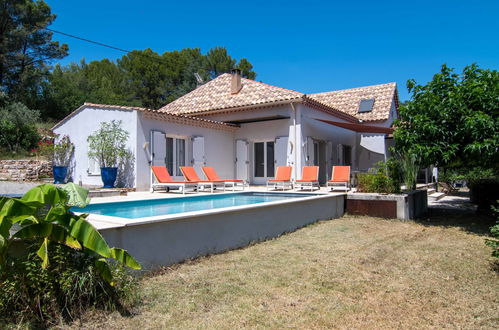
x=175 y=155
x=263 y=162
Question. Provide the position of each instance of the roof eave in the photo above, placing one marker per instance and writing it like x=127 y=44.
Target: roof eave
x=245 y=107
x=192 y=119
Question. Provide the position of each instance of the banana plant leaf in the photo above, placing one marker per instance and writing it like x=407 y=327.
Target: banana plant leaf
x=17 y=207
x=43 y=252
x=46 y=194
x=125 y=258
x=77 y=196
x=48 y=230
x=102 y=267
x=44 y=212
x=91 y=239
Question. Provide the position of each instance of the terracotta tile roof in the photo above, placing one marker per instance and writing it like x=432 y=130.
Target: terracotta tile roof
x=348 y=100
x=215 y=95
x=155 y=115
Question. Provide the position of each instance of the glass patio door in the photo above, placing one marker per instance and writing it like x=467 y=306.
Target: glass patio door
x=175 y=155
x=263 y=161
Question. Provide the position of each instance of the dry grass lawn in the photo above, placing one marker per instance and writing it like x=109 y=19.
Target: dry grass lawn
x=348 y=273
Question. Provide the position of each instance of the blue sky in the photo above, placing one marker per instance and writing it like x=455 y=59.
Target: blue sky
x=309 y=46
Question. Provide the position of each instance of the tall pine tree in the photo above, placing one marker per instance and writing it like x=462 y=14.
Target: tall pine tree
x=26 y=47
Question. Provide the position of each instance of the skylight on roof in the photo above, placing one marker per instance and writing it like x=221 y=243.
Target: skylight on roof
x=366 y=105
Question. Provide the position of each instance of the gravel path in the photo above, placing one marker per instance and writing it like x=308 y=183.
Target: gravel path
x=461 y=203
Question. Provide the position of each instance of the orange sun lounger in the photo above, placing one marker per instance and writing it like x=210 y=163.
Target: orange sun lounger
x=212 y=175
x=282 y=178
x=309 y=178
x=340 y=177
x=190 y=175
x=163 y=179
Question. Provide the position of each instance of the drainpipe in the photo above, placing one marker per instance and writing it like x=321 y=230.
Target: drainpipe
x=295 y=140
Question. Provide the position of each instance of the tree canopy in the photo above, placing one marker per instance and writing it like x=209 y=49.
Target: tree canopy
x=26 y=47
x=17 y=127
x=453 y=120
x=139 y=78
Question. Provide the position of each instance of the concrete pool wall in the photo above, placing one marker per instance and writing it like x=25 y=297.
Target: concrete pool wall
x=177 y=238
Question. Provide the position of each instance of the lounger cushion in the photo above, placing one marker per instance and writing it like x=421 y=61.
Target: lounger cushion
x=212 y=175
x=340 y=174
x=162 y=175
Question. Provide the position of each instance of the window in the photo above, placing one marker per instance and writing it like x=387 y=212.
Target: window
x=93 y=167
x=316 y=153
x=270 y=159
x=180 y=154
x=259 y=159
x=175 y=155
x=366 y=105
x=264 y=159
x=347 y=155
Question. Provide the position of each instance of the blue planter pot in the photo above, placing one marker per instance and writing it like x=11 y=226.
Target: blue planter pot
x=108 y=175
x=59 y=173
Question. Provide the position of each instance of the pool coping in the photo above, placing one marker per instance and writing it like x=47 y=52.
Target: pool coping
x=107 y=222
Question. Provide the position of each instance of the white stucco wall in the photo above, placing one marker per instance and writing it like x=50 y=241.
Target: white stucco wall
x=367 y=159
x=219 y=147
x=261 y=131
x=86 y=122
x=322 y=131
x=219 y=144
x=306 y=126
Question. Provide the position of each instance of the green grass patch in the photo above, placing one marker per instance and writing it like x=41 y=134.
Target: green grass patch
x=354 y=272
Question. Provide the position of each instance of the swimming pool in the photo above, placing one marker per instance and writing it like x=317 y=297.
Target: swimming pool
x=162 y=231
x=169 y=206
x=12 y=195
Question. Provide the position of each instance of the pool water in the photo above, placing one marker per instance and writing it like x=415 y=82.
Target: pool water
x=12 y=195
x=166 y=206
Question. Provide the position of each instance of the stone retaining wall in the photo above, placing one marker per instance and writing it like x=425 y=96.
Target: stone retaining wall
x=24 y=170
x=406 y=206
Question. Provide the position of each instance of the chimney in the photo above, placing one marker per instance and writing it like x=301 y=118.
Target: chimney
x=235 y=84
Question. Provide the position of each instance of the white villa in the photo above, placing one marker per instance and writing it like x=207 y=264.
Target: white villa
x=244 y=129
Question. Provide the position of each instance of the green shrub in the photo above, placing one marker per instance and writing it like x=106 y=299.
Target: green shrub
x=65 y=290
x=17 y=127
x=494 y=231
x=54 y=263
x=383 y=179
x=450 y=176
x=477 y=173
x=484 y=193
x=394 y=170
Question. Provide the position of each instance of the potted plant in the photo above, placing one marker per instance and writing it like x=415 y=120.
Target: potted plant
x=59 y=153
x=107 y=146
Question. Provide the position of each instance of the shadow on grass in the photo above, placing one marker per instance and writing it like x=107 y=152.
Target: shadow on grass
x=458 y=212
x=466 y=219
